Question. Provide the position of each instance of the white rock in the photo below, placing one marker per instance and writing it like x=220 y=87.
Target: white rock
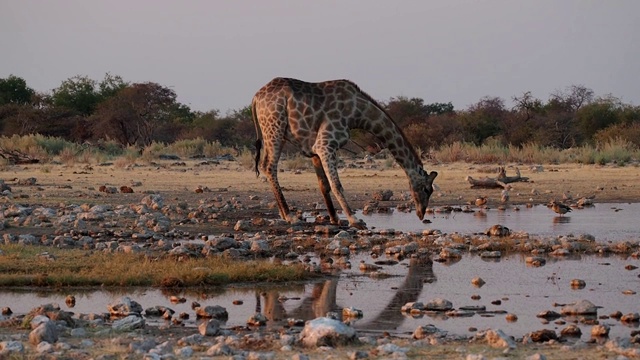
x=325 y=331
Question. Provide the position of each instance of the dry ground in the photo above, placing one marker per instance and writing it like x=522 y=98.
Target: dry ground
x=79 y=183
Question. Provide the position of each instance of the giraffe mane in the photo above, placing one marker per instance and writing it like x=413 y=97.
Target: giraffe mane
x=397 y=128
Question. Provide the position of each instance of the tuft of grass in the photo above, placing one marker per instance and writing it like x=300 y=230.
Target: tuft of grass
x=23 y=266
x=296 y=162
x=246 y=159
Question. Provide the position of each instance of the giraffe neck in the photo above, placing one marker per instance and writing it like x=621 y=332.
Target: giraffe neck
x=379 y=123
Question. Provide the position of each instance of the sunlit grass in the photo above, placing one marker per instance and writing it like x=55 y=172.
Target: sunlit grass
x=27 y=266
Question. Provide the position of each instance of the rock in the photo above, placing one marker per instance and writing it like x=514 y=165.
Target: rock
x=450 y=253
x=439 y=304
x=571 y=331
x=351 y=312
x=209 y=327
x=11 y=346
x=427 y=331
x=543 y=335
x=128 y=323
x=491 y=254
x=578 y=284
x=212 y=312
x=45 y=331
x=44 y=348
x=630 y=318
x=477 y=281
x=257 y=319
x=497 y=338
x=242 y=225
x=412 y=307
x=548 y=315
x=535 y=261
x=498 y=230
x=326 y=332
x=124 y=307
x=601 y=330
x=582 y=307
x=384 y=195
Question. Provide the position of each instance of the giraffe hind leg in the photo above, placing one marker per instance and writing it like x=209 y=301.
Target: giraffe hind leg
x=271 y=171
x=325 y=189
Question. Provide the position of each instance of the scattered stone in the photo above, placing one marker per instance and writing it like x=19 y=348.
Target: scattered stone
x=571 y=331
x=128 y=323
x=212 y=312
x=477 y=281
x=578 y=284
x=600 y=330
x=326 y=332
x=210 y=327
x=497 y=338
x=439 y=304
x=582 y=307
x=44 y=331
x=124 y=307
x=543 y=335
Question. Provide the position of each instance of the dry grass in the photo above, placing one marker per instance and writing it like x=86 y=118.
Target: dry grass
x=25 y=266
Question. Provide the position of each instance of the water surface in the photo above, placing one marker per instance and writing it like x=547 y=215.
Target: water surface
x=605 y=221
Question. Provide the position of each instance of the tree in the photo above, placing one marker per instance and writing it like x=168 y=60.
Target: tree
x=598 y=115
x=483 y=120
x=82 y=94
x=574 y=97
x=135 y=113
x=14 y=90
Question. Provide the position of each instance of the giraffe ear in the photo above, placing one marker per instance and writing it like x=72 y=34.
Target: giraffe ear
x=431 y=176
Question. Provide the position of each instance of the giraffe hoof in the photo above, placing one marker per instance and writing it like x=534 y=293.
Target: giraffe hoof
x=360 y=225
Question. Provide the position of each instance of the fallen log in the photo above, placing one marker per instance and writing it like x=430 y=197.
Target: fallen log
x=17 y=157
x=502 y=181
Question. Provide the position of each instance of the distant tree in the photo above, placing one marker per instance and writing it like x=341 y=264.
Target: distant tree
x=629 y=132
x=573 y=97
x=483 y=119
x=82 y=94
x=14 y=90
x=439 y=108
x=134 y=114
x=404 y=110
x=599 y=115
x=436 y=131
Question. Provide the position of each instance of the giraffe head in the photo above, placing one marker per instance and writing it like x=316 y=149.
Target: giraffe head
x=421 y=189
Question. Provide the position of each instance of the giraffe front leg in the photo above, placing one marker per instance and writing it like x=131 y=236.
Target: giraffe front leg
x=329 y=163
x=325 y=189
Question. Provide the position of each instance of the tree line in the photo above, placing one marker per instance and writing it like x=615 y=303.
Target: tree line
x=137 y=114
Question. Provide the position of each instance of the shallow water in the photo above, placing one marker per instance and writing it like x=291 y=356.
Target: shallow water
x=522 y=290
x=605 y=221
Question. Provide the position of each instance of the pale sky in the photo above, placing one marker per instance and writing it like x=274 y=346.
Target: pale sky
x=216 y=54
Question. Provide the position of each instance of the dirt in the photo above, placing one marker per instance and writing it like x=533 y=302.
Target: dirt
x=192 y=181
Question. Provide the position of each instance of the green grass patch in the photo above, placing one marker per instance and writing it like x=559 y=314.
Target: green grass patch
x=29 y=266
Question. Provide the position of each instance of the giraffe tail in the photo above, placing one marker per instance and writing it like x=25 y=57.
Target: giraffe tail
x=258 y=147
x=258 y=143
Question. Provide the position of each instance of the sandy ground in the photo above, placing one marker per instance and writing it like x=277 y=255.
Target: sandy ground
x=178 y=181
x=80 y=183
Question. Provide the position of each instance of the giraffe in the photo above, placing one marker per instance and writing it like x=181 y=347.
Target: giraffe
x=316 y=118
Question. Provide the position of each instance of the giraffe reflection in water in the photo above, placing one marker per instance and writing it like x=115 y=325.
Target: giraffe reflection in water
x=323 y=299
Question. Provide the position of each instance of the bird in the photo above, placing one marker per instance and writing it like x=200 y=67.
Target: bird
x=559 y=208
x=481 y=201
x=504 y=196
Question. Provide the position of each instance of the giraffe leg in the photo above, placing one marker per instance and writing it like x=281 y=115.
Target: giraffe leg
x=329 y=163
x=271 y=158
x=325 y=189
